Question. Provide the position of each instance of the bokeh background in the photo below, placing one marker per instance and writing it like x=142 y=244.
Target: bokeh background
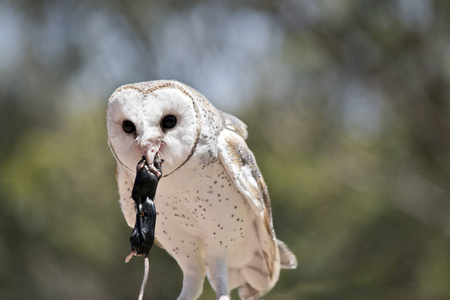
x=347 y=104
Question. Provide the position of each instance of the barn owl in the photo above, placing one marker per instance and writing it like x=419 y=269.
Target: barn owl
x=214 y=213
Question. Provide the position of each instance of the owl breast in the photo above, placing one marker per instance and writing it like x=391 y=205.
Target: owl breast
x=200 y=209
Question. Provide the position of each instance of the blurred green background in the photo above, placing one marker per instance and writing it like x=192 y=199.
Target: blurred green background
x=348 y=109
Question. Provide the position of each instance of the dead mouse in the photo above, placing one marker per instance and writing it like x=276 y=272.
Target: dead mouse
x=143 y=194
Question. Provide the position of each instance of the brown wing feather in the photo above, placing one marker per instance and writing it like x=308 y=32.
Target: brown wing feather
x=232 y=123
x=240 y=163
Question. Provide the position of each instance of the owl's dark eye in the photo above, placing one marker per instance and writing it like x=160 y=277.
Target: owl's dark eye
x=128 y=126
x=168 y=122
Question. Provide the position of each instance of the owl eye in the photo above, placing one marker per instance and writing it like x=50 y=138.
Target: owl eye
x=128 y=126
x=168 y=122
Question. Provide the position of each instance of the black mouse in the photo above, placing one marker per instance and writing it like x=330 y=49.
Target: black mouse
x=143 y=194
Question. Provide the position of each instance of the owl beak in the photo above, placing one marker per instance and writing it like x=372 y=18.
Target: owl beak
x=150 y=153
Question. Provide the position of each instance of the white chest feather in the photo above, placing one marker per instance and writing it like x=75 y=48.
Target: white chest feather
x=201 y=209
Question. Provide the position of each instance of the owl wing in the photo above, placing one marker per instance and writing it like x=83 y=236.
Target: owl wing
x=239 y=161
x=241 y=166
x=232 y=123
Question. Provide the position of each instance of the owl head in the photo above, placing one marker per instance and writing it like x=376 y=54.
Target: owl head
x=156 y=118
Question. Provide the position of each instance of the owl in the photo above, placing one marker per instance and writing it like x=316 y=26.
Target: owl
x=213 y=206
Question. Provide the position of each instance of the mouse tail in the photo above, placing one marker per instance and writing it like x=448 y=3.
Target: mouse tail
x=145 y=279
